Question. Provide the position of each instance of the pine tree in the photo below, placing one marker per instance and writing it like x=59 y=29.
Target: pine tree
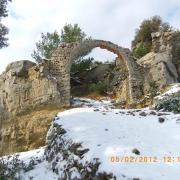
x=3 y=29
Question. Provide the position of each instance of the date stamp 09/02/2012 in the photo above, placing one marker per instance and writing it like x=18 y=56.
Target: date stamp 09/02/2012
x=145 y=159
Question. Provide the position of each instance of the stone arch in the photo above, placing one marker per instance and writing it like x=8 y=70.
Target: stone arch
x=65 y=54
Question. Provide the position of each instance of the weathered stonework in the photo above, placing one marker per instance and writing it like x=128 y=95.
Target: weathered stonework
x=25 y=84
x=65 y=54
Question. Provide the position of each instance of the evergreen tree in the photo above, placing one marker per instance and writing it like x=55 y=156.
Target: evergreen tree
x=50 y=41
x=3 y=29
x=72 y=33
x=142 y=42
x=46 y=45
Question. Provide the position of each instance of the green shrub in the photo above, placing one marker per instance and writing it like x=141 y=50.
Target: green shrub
x=81 y=65
x=11 y=166
x=143 y=35
x=171 y=105
x=142 y=50
x=50 y=41
x=99 y=87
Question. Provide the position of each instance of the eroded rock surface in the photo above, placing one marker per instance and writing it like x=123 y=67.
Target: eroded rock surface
x=158 y=65
x=24 y=85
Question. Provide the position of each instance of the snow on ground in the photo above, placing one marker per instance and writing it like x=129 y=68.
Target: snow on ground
x=85 y=102
x=41 y=171
x=112 y=134
x=175 y=88
x=116 y=133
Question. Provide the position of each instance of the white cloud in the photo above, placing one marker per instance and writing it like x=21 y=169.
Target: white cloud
x=114 y=20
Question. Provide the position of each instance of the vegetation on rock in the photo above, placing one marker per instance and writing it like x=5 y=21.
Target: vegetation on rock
x=72 y=33
x=50 y=41
x=143 y=49
x=153 y=89
x=11 y=166
x=81 y=65
x=100 y=87
x=172 y=105
x=46 y=45
x=142 y=42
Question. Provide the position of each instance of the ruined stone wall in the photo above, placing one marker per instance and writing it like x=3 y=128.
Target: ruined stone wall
x=60 y=69
x=65 y=54
x=24 y=84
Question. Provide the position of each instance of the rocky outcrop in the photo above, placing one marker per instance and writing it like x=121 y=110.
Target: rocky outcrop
x=173 y=92
x=25 y=85
x=119 y=82
x=158 y=65
x=29 y=98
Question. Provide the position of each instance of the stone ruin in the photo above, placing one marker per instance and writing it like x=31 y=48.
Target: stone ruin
x=25 y=84
x=65 y=54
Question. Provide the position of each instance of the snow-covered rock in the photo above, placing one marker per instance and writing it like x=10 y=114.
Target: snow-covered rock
x=174 y=91
x=107 y=140
x=170 y=100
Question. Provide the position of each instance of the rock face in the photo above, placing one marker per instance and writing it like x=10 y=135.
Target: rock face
x=24 y=85
x=120 y=82
x=24 y=88
x=26 y=132
x=158 y=65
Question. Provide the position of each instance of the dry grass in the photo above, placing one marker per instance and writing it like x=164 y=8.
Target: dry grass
x=28 y=130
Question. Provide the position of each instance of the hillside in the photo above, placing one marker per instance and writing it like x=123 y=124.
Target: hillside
x=94 y=139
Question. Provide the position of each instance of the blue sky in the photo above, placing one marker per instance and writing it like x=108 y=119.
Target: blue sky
x=113 y=20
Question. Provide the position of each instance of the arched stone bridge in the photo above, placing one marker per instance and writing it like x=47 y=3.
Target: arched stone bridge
x=65 y=54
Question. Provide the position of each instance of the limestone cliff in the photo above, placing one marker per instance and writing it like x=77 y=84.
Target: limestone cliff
x=24 y=85
x=159 y=65
x=29 y=99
